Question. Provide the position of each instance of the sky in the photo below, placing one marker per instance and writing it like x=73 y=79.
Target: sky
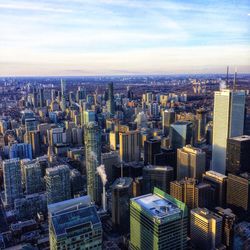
x=120 y=37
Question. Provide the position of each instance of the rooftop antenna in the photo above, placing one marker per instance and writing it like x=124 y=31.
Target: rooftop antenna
x=235 y=78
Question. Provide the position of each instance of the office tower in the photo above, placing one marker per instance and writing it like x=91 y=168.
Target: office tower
x=158 y=221
x=238 y=154
x=80 y=94
x=129 y=146
x=168 y=118
x=58 y=184
x=228 y=223
x=74 y=224
x=157 y=176
x=113 y=140
x=92 y=139
x=228 y=121
x=71 y=98
x=110 y=161
x=76 y=182
x=238 y=192
x=32 y=175
x=63 y=91
x=12 y=181
x=152 y=147
x=30 y=124
x=191 y=162
x=191 y=192
x=121 y=194
x=34 y=140
x=35 y=99
x=111 y=103
x=29 y=206
x=201 y=116
x=89 y=116
x=41 y=97
x=205 y=229
x=218 y=184
x=55 y=136
x=20 y=150
x=137 y=186
x=181 y=134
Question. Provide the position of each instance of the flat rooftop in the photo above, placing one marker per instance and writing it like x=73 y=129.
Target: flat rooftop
x=77 y=216
x=157 y=206
x=241 y=138
x=216 y=175
x=122 y=182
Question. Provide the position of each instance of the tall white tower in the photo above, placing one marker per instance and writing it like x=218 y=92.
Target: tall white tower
x=228 y=121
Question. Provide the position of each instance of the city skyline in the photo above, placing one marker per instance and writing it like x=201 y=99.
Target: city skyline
x=123 y=37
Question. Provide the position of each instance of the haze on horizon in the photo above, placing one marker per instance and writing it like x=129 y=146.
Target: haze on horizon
x=117 y=37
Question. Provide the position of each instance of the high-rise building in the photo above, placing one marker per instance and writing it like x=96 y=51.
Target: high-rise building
x=41 y=97
x=152 y=147
x=181 y=134
x=30 y=124
x=20 y=150
x=92 y=139
x=121 y=194
x=89 y=116
x=218 y=184
x=201 y=116
x=228 y=121
x=228 y=223
x=12 y=181
x=157 y=176
x=63 y=91
x=205 y=229
x=111 y=103
x=74 y=224
x=238 y=192
x=191 y=162
x=58 y=184
x=34 y=140
x=168 y=118
x=238 y=153
x=191 y=192
x=32 y=175
x=158 y=221
x=129 y=146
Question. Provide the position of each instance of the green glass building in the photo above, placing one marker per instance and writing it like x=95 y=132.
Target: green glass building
x=158 y=221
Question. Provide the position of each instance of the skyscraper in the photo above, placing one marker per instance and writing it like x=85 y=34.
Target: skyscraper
x=20 y=150
x=111 y=103
x=191 y=192
x=228 y=121
x=168 y=118
x=58 y=184
x=32 y=175
x=238 y=193
x=92 y=139
x=205 y=229
x=41 y=97
x=30 y=124
x=34 y=140
x=151 y=148
x=157 y=176
x=63 y=91
x=238 y=153
x=218 y=184
x=191 y=162
x=181 y=134
x=129 y=146
x=121 y=194
x=157 y=221
x=201 y=116
x=74 y=224
x=12 y=181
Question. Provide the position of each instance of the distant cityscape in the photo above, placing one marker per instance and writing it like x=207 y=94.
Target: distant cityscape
x=125 y=162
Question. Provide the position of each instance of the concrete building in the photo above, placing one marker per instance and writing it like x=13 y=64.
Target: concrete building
x=228 y=121
x=74 y=224
x=157 y=221
x=12 y=181
x=205 y=229
x=58 y=184
x=191 y=162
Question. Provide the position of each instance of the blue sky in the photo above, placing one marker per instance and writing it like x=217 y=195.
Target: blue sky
x=95 y=37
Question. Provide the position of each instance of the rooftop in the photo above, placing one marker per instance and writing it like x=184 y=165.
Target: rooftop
x=157 y=206
x=205 y=213
x=241 y=138
x=122 y=182
x=157 y=167
x=215 y=175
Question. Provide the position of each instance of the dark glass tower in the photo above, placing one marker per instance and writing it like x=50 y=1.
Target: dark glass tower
x=111 y=103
